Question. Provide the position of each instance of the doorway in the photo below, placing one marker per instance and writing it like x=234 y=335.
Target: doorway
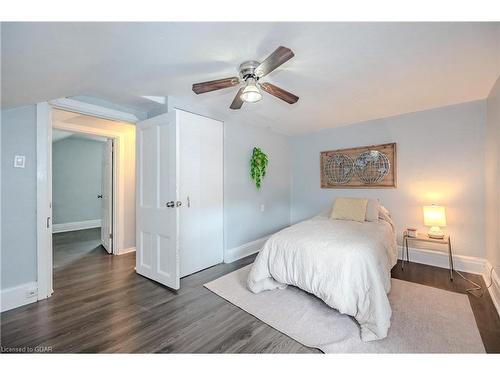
x=100 y=217
x=82 y=195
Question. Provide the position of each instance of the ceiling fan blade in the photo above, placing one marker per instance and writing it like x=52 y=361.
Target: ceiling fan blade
x=279 y=93
x=237 y=101
x=202 y=87
x=275 y=59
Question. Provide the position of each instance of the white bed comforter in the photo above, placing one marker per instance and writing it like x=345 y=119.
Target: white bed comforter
x=345 y=263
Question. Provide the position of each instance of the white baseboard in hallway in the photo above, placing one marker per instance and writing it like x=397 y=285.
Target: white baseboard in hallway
x=76 y=225
x=18 y=296
x=124 y=251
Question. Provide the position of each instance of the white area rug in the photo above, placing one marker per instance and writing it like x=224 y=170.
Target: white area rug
x=424 y=319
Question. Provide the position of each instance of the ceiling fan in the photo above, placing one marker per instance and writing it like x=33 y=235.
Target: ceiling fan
x=250 y=74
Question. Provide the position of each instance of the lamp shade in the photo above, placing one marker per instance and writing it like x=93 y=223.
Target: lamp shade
x=251 y=92
x=434 y=216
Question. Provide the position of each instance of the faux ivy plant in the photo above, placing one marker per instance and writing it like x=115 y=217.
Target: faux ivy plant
x=258 y=165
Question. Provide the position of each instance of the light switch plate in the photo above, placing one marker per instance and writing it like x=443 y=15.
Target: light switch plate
x=19 y=161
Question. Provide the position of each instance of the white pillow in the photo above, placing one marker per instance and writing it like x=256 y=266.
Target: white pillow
x=372 y=210
x=349 y=209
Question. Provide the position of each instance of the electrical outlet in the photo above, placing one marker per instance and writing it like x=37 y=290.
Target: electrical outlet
x=262 y=207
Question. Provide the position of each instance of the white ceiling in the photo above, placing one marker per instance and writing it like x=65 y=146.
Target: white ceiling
x=343 y=72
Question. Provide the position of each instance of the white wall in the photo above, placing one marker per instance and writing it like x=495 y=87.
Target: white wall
x=440 y=160
x=18 y=247
x=76 y=180
x=492 y=175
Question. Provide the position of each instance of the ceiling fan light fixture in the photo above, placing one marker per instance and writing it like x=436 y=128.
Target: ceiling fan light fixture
x=250 y=81
x=251 y=92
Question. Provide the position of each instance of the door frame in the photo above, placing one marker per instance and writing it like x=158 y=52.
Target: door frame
x=44 y=169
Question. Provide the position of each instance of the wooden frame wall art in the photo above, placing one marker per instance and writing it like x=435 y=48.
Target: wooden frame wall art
x=359 y=167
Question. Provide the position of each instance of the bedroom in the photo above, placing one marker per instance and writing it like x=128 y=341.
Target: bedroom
x=303 y=191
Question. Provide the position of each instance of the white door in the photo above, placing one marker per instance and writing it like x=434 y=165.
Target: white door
x=107 y=197
x=157 y=242
x=201 y=192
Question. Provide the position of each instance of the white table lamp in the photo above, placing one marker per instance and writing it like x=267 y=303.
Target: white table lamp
x=435 y=217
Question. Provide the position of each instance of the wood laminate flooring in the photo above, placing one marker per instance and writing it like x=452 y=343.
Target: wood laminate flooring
x=101 y=305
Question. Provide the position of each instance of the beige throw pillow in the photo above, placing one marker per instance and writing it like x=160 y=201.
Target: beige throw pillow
x=349 y=209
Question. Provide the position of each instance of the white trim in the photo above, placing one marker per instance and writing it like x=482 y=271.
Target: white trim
x=44 y=211
x=93 y=110
x=76 y=225
x=231 y=255
x=440 y=259
x=125 y=251
x=18 y=296
x=495 y=285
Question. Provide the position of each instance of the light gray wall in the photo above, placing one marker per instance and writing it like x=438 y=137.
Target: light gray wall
x=18 y=248
x=76 y=179
x=492 y=175
x=243 y=219
x=439 y=159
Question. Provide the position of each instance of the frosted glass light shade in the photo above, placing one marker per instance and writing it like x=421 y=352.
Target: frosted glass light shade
x=434 y=216
x=251 y=93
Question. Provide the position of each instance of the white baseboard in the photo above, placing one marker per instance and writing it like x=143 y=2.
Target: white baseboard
x=18 y=296
x=495 y=284
x=244 y=250
x=77 y=225
x=124 y=251
x=440 y=259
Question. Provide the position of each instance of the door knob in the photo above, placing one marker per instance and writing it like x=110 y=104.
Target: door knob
x=170 y=204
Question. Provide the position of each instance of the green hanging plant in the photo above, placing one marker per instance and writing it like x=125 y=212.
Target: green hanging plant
x=258 y=165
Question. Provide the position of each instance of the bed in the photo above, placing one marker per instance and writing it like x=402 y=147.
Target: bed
x=345 y=263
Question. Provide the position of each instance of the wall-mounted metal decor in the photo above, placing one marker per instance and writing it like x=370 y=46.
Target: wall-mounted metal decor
x=359 y=167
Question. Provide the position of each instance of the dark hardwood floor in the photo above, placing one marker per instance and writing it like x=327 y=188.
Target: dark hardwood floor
x=101 y=305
